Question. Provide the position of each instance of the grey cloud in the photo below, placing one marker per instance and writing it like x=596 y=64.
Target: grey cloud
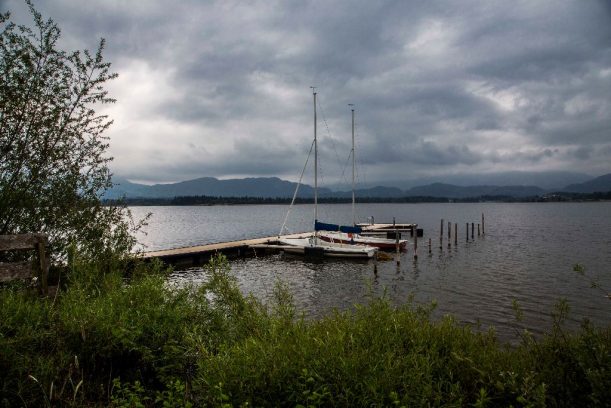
x=423 y=152
x=583 y=152
x=433 y=154
x=475 y=86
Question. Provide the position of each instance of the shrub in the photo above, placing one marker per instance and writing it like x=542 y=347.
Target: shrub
x=136 y=341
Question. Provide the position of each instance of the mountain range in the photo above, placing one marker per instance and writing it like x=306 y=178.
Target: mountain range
x=263 y=187
x=598 y=184
x=547 y=180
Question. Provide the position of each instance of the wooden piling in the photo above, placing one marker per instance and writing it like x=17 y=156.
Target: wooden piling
x=416 y=246
x=441 y=235
x=467 y=231
x=398 y=255
x=375 y=264
x=483 y=230
x=455 y=234
x=472 y=229
x=449 y=234
x=478 y=230
x=430 y=246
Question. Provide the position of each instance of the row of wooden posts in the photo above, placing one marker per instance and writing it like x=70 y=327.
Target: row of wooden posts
x=480 y=231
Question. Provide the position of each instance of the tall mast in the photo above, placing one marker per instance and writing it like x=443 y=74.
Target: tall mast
x=353 y=163
x=315 y=163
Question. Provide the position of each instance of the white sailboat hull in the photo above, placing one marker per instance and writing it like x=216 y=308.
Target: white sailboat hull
x=329 y=249
x=356 y=239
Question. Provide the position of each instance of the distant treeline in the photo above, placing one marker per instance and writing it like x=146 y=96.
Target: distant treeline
x=212 y=200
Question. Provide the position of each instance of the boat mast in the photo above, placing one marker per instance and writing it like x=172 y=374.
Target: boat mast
x=315 y=168
x=353 y=163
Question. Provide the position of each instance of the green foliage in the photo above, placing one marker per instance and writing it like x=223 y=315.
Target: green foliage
x=128 y=395
x=380 y=355
x=173 y=396
x=53 y=165
x=136 y=341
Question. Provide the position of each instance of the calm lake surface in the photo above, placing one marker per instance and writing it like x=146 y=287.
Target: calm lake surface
x=527 y=254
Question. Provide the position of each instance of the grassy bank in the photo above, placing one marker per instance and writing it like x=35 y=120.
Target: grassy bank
x=108 y=340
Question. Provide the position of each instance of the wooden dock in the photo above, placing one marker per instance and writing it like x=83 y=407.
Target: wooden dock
x=380 y=229
x=200 y=254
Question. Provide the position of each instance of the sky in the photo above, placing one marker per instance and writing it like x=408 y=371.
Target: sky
x=222 y=88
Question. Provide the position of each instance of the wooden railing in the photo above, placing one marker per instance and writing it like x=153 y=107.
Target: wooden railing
x=38 y=267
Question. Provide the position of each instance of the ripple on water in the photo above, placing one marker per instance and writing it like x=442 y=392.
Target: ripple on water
x=527 y=254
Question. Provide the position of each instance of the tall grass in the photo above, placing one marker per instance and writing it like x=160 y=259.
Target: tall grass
x=109 y=340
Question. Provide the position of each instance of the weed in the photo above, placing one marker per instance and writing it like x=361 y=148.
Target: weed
x=131 y=340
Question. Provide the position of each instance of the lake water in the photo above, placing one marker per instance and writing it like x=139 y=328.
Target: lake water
x=527 y=254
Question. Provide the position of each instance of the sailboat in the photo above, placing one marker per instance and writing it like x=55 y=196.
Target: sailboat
x=314 y=245
x=352 y=235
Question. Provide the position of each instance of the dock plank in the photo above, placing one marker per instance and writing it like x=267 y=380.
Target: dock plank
x=217 y=247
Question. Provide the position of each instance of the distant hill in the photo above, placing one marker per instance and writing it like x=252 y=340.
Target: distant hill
x=548 y=180
x=125 y=188
x=210 y=186
x=378 y=191
x=273 y=187
x=599 y=184
x=453 y=191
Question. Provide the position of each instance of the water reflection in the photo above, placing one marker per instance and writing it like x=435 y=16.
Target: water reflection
x=527 y=254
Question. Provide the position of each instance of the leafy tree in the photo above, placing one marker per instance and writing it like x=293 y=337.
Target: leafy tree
x=53 y=154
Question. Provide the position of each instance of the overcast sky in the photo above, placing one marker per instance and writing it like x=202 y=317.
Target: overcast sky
x=222 y=88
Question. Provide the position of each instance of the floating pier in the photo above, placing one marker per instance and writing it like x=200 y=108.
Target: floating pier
x=390 y=229
x=200 y=254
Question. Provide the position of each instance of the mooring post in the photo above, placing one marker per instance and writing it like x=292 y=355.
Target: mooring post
x=375 y=264
x=455 y=234
x=483 y=230
x=397 y=246
x=441 y=236
x=449 y=234
x=478 y=229
x=429 y=246
x=467 y=230
x=472 y=229
x=416 y=246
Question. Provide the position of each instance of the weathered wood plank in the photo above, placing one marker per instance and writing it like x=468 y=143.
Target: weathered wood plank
x=15 y=270
x=21 y=241
x=43 y=267
x=220 y=246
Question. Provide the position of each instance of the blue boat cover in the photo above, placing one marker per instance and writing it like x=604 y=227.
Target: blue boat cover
x=321 y=226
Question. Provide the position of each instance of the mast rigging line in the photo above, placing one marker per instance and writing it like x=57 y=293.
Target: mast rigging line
x=359 y=163
x=296 y=190
x=330 y=136
x=358 y=160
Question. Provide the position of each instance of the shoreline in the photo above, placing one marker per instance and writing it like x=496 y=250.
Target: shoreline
x=213 y=200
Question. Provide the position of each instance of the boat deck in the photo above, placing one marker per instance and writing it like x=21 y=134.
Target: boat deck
x=388 y=227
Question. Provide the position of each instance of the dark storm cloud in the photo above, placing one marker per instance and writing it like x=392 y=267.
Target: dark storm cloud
x=250 y=158
x=583 y=152
x=221 y=88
